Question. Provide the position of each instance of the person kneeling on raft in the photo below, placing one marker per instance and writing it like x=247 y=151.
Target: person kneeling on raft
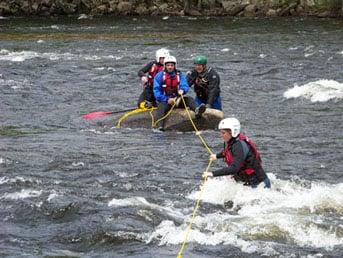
x=240 y=154
x=169 y=84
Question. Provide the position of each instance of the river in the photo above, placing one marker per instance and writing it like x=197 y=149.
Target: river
x=76 y=188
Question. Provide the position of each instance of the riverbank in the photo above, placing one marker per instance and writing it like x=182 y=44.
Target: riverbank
x=240 y=8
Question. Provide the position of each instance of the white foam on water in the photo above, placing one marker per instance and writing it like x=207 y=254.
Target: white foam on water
x=40 y=41
x=3 y=180
x=288 y=212
x=309 y=54
x=309 y=51
x=225 y=50
x=17 y=56
x=78 y=164
x=52 y=195
x=97 y=132
x=21 y=56
x=141 y=201
x=15 y=84
x=23 y=194
x=293 y=48
x=17 y=179
x=317 y=91
x=83 y=16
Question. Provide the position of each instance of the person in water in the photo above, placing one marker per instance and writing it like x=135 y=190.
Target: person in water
x=147 y=75
x=168 y=85
x=206 y=83
x=240 y=154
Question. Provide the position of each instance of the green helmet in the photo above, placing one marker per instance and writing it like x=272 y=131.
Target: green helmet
x=200 y=60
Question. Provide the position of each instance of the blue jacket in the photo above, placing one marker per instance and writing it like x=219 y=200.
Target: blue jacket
x=158 y=89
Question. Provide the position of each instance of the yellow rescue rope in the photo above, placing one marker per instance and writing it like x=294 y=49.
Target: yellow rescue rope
x=196 y=207
x=133 y=112
x=197 y=132
x=202 y=186
x=144 y=109
x=153 y=124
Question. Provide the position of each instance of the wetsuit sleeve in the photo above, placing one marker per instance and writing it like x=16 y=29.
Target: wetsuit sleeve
x=158 y=90
x=191 y=77
x=220 y=155
x=183 y=84
x=238 y=160
x=145 y=69
x=213 y=87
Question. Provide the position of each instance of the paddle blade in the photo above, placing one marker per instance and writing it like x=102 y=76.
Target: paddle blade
x=94 y=115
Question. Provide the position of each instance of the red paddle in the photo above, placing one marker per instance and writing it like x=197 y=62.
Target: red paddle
x=97 y=114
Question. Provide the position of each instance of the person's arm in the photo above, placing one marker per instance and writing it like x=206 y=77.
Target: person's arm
x=142 y=72
x=238 y=160
x=213 y=87
x=158 y=90
x=183 y=84
x=191 y=76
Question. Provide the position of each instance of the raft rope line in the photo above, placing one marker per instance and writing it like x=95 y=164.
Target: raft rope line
x=133 y=112
x=153 y=124
x=198 y=133
x=144 y=109
x=202 y=186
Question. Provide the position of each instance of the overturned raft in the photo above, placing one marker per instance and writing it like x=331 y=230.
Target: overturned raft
x=177 y=120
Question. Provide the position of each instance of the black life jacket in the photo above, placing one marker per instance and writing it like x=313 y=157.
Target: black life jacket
x=201 y=84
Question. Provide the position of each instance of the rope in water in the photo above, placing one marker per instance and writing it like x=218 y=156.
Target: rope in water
x=202 y=186
x=198 y=133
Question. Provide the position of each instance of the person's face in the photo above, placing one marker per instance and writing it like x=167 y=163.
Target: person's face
x=199 y=68
x=170 y=67
x=161 y=60
x=226 y=135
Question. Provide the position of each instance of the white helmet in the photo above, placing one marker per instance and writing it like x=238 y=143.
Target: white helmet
x=231 y=123
x=170 y=59
x=163 y=52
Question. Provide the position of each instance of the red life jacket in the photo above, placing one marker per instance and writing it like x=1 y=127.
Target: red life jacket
x=154 y=69
x=171 y=84
x=246 y=169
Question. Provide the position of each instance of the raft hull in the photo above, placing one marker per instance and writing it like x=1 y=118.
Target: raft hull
x=177 y=120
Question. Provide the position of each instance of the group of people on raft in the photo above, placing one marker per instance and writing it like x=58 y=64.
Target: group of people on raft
x=164 y=83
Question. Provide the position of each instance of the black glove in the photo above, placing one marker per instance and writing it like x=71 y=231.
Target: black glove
x=148 y=104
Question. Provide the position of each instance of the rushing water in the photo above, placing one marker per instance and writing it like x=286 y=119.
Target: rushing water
x=74 y=188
